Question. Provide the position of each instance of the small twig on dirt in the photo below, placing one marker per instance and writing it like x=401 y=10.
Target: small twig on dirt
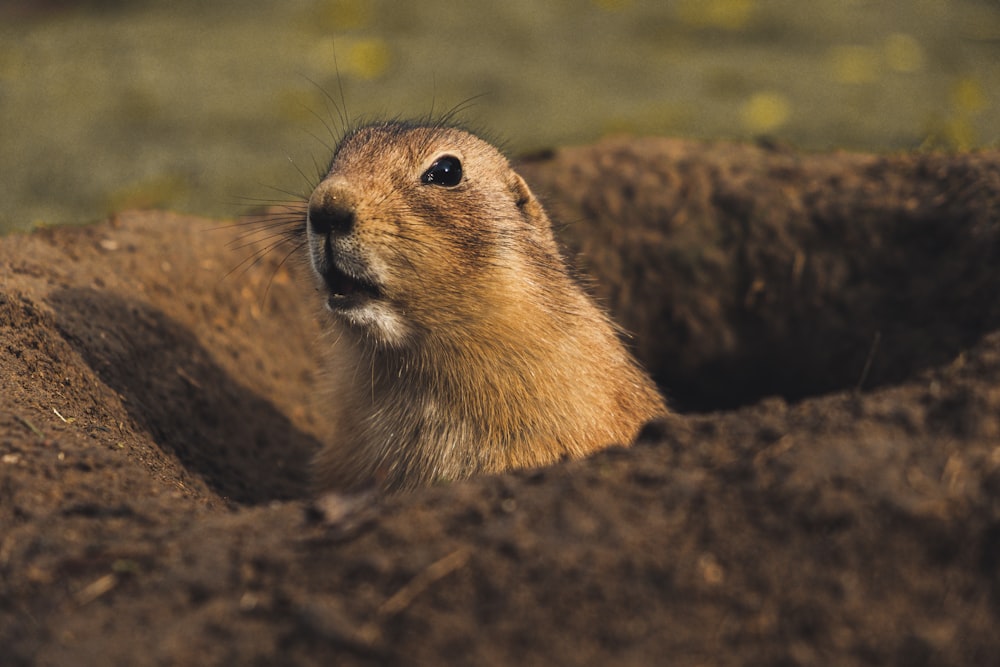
x=439 y=569
x=95 y=589
x=34 y=429
x=868 y=362
x=405 y=596
x=187 y=378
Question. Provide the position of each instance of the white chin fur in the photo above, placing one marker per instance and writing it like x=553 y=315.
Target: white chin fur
x=380 y=320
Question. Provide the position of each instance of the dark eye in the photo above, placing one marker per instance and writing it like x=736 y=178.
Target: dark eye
x=446 y=172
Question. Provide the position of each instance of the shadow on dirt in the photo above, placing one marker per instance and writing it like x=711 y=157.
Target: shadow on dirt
x=239 y=443
x=745 y=272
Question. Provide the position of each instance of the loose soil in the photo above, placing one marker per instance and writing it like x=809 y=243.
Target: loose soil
x=828 y=492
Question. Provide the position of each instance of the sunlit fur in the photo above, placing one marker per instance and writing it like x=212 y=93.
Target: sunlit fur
x=481 y=354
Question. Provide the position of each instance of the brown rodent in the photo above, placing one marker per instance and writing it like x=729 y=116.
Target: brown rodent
x=460 y=343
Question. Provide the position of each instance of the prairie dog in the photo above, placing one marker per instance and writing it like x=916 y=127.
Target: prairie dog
x=460 y=343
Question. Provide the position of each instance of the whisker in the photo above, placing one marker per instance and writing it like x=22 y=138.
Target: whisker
x=261 y=206
x=320 y=171
x=295 y=196
x=251 y=260
x=249 y=241
x=326 y=124
x=267 y=288
x=271 y=230
x=261 y=222
x=342 y=115
x=433 y=94
x=330 y=121
x=449 y=116
x=345 y=116
x=309 y=184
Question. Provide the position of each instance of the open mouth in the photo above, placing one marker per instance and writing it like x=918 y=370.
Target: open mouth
x=347 y=291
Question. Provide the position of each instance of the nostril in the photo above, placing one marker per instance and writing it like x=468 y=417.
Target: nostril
x=326 y=219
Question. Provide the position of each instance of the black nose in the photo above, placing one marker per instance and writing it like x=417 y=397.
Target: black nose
x=330 y=218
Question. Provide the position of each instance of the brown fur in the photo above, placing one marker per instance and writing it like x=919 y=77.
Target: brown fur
x=480 y=354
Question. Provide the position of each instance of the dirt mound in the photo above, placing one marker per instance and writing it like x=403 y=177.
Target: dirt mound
x=158 y=413
x=746 y=271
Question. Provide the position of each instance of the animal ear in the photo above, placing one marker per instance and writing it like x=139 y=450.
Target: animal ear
x=527 y=202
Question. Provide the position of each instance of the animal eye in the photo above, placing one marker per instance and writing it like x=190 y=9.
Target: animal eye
x=446 y=172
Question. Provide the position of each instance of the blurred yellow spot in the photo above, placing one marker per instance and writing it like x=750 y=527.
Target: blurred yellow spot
x=156 y=192
x=765 y=111
x=967 y=95
x=368 y=58
x=960 y=133
x=298 y=105
x=954 y=132
x=613 y=5
x=904 y=53
x=728 y=14
x=344 y=14
x=615 y=126
x=853 y=64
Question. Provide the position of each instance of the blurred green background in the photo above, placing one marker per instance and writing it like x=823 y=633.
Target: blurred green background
x=194 y=105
